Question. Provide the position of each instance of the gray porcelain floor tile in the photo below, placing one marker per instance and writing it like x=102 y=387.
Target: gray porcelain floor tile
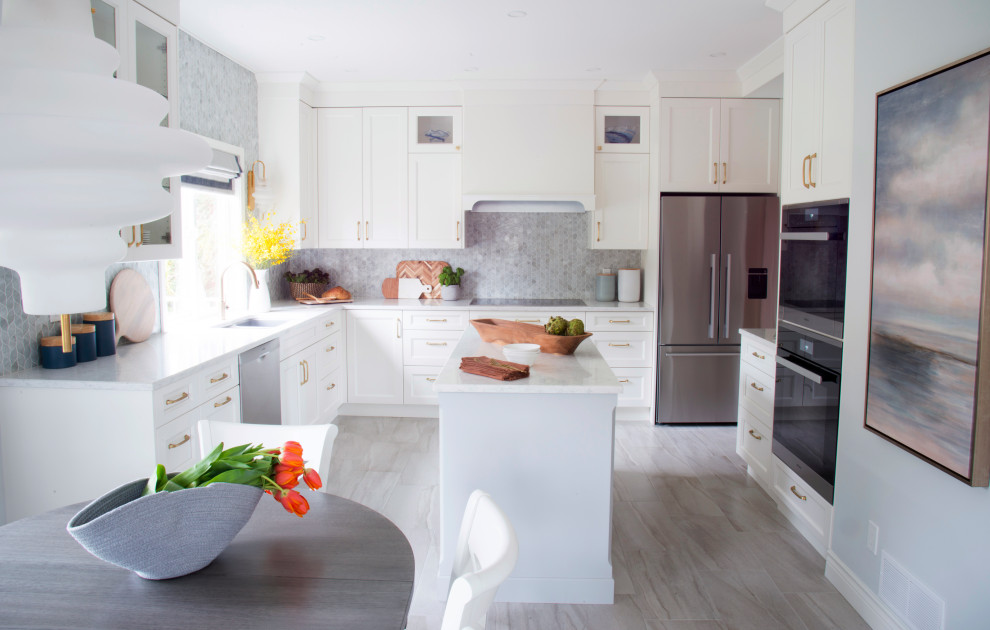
x=826 y=611
x=749 y=600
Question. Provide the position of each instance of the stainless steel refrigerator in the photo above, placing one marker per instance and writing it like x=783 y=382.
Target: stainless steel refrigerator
x=718 y=259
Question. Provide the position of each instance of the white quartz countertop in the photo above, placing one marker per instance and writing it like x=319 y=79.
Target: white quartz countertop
x=766 y=334
x=584 y=372
x=167 y=357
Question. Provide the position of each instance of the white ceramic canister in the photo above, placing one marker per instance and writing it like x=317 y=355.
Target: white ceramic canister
x=629 y=285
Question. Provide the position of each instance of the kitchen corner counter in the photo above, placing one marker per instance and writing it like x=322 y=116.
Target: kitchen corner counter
x=769 y=335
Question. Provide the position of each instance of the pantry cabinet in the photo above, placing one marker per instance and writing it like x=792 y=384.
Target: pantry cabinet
x=719 y=145
x=363 y=177
x=817 y=118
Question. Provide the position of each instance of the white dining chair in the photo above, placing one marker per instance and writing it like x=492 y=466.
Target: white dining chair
x=486 y=553
x=315 y=439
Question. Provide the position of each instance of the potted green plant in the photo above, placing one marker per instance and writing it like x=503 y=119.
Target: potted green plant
x=311 y=281
x=450 y=283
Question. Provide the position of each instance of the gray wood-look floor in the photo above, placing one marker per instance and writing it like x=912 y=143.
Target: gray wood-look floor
x=696 y=543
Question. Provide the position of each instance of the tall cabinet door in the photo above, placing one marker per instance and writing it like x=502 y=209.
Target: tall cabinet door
x=802 y=61
x=689 y=267
x=689 y=138
x=308 y=234
x=622 y=183
x=749 y=145
x=340 y=180
x=832 y=170
x=386 y=201
x=436 y=218
x=374 y=356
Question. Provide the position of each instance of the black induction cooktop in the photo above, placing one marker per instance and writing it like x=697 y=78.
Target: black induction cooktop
x=526 y=302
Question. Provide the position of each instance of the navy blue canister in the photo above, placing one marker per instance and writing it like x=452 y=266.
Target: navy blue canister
x=52 y=356
x=85 y=335
x=106 y=343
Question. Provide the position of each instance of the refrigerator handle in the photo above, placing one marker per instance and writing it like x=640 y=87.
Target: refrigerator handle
x=728 y=287
x=711 y=298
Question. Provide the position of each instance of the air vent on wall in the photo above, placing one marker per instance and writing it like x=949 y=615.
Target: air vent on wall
x=911 y=600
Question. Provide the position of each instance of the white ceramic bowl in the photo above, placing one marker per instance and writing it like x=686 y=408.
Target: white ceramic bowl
x=524 y=353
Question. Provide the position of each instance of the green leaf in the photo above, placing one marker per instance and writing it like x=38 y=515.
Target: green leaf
x=245 y=477
x=160 y=478
x=184 y=478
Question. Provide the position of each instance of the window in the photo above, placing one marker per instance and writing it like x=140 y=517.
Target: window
x=212 y=216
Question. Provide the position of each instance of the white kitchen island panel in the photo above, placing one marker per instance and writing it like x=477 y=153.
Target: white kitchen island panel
x=542 y=447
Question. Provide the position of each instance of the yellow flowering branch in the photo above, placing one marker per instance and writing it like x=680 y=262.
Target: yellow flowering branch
x=264 y=245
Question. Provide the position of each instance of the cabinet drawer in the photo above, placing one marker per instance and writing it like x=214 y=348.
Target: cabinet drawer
x=330 y=323
x=418 y=385
x=637 y=386
x=757 y=355
x=755 y=390
x=427 y=347
x=298 y=338
x=330 y=354
x=330 y=394
x=631 y=349
x=618 y=321
x=528 y=317
x=174 y=400
x=755 y=445
x=218 y=377
x=177 y=444
x=225 y=407
x=812 y=510
x=434 y=320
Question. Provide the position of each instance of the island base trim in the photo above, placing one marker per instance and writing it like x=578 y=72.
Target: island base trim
x=548 y=590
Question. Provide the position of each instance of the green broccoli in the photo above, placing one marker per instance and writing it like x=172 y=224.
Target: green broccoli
x=575 y=327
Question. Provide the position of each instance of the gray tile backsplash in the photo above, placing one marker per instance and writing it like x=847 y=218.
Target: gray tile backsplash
x=507 y=254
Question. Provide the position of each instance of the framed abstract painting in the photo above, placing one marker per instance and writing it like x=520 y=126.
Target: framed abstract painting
x=928 y=383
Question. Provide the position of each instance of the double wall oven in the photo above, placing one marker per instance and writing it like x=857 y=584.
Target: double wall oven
x=809 y=340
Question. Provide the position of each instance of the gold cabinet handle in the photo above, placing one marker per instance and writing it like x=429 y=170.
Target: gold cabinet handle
x=457 y=231
x=618 y=345
x=623 y=380
x=366 y=231
x=329 y=324
x=398 y=334
x=138 y=236
x=130 y=243
x=804 y=171
x=436 y=343
x=179 y=399
x=599 y=147
x=724 y=172
x=221 y=404
x=304 y=232
x=359 y=230
x=757 y=388
x=443 y=320
x=761 y=357
x=599 y=237
x=457 y=148
x=715 y=166
x=332 y=385
x=528 y=321
x=755 y=435
x=185 y=438
x=305 y=375
x=619 y=321
x=800 y=496
x=222 y=377
x=331 y=349
x=431 y=380
x=811 y=163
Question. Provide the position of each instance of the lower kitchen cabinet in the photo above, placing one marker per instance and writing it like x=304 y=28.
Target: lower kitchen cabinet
x=428 y=340
x=298 y=378
x=808 y=511
x=625 y=341
x=755 y=417
x=304 y=374
x=374 y=356
x=177 y=442
x=418 y=381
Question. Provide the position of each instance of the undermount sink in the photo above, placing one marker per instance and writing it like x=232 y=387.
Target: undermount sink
x=256 y=322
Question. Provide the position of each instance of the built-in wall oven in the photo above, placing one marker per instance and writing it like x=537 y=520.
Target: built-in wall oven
x=809 y=340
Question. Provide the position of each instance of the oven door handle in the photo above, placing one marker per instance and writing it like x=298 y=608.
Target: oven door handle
x=805 y=372
x=805 y=236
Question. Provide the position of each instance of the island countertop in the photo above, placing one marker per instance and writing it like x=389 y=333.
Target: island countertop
x=584 y=372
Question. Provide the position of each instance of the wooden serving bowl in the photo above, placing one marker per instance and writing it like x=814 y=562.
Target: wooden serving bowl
x=503 y=331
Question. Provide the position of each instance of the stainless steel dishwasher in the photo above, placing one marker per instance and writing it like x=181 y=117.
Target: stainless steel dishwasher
x=261 y=398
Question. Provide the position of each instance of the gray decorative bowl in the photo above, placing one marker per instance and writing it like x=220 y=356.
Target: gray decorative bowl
x=166 y=534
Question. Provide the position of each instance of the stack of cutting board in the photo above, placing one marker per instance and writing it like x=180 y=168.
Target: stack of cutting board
x=427 y=272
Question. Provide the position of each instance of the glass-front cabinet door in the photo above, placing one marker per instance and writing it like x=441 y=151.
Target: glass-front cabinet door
x=434 y=129
x=622 y=129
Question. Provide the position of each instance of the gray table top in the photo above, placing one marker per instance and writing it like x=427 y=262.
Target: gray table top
x=343 y=565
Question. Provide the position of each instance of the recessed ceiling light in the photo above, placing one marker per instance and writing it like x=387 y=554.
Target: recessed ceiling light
x=592 y=69
x=717 y=54
x=316 y=38
x=516 y=14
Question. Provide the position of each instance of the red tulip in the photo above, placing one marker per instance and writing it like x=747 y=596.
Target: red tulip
x=294 y=447
x=312 y=479
x=291 y=458
x=287 y=478
x=294 y=502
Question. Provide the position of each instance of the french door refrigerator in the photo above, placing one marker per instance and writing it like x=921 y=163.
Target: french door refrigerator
x=718 y=259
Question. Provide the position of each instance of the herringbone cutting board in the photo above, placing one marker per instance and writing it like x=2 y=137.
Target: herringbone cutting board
x=428 y=271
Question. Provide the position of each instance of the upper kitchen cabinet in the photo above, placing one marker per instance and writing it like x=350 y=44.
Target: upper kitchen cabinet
x=622 y=191
x=719 y=145
x=363 y=177
x=622 y=129
x=147 y=46
x=434 y=129
x=817 y=121
x=287 y=147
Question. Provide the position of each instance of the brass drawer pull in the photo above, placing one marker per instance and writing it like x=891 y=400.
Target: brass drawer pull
x=754 y=386
x=221 y=404
x=179 y=399
x=431 y=380
x=222 y=377
x=529 y=321
x=618 y=345
x=332 y=385
x=754 y=434
x=443 y=321
x=328 y=324
x=619 y=321
x=623 y=380
x=761 y=357
x=800 y=496
x=185 y=438
x=436 y=343
x=331 y=349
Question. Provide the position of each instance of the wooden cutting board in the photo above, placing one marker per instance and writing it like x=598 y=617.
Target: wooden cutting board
x=133 y=306
x=390 y=288
x=428 y=271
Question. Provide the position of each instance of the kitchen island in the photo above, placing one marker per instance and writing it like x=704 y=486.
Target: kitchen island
x=542 y=446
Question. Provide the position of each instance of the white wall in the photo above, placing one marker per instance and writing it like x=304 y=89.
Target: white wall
x=935 y=526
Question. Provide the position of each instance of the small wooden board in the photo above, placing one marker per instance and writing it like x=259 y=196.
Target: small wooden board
x=494 y=368
x=321 y=301
x=428 y=271
x=133 y=306
x=390 y=288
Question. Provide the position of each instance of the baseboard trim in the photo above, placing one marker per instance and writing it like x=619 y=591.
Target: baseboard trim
x=548 y=590
x=389 y=411
x=862 y=599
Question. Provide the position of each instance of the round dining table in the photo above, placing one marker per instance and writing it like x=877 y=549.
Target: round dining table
x=342 y=565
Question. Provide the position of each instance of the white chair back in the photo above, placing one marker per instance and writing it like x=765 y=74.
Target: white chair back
x=486 y=553
x=315 y=439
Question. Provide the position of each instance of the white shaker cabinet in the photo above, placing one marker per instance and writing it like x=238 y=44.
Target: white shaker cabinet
x=374 y=357
x=310 y=354
x=299 y=381
x=719 y=145
x=436 y=219
x=817 y=118
x=622 y=190
x=756 y=396
x=341 y=176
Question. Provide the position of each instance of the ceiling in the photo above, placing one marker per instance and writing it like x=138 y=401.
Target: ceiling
x=462 y=40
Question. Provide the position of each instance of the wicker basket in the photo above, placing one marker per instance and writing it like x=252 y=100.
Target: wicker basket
x=297 y=289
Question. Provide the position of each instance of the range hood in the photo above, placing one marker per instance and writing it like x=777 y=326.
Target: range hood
x=529 y=203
